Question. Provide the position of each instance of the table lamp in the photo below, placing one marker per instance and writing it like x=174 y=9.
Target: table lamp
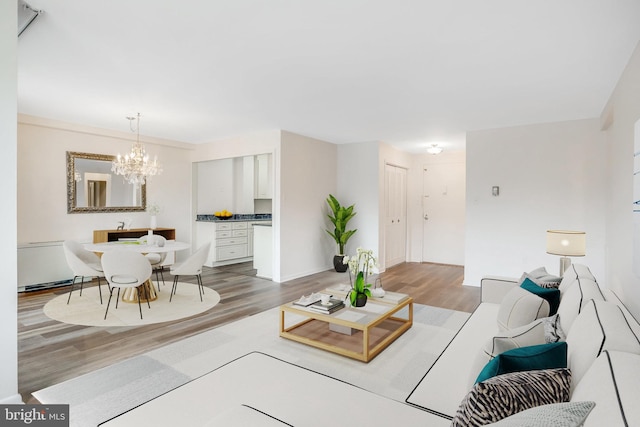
x=566 y=243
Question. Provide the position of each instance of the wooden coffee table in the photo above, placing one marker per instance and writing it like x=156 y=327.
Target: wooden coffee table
x=373 y=327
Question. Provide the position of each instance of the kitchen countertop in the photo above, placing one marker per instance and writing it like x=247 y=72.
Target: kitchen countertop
x=236 y=218
x=262 y=224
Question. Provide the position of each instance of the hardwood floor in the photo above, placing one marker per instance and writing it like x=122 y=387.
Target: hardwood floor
x=50 y=352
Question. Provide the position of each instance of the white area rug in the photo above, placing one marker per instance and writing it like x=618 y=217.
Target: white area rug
x=103 y=394
x=87 y=310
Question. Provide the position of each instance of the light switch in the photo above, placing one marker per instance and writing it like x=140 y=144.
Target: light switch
x=495 y=191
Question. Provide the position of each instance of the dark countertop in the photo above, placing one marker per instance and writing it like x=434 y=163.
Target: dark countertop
x=235 y=218
x=262 y=224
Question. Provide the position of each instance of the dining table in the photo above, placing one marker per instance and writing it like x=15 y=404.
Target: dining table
x=135 y=245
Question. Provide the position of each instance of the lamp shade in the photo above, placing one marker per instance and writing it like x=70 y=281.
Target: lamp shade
x=566 y=243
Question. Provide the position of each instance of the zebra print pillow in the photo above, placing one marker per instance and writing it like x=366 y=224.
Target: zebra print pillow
x=499 y=397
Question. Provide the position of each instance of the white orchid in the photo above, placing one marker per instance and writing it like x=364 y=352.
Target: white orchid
x=363 y=261
x=360 y=265
x=153 y=209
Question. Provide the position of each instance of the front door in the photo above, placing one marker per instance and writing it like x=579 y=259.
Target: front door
x=443 y=213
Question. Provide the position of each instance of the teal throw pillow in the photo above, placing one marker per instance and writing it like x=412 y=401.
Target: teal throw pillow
x=531 y=358
x=550 y=294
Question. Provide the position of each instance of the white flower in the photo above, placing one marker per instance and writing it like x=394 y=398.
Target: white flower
x=363 y=261
x=153 y=209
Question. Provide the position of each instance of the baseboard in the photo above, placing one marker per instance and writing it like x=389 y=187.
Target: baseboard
x=42 y=286
x=15 y=399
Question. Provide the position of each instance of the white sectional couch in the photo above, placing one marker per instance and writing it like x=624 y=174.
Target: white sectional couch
x=603 y=353
x=260 y=390
x=602 y=345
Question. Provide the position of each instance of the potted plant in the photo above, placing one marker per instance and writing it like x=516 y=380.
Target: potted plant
x=360 y=265
x=340 y=216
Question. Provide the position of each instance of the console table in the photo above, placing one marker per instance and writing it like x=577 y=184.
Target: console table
x=101 y=236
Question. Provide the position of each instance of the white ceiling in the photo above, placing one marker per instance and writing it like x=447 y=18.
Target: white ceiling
x=405 y=72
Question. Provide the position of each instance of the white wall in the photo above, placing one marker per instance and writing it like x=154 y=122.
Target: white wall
x=551 y=176
x=244 y=145
x=215 y=186
x=358 y=184
x=42 y=191
x=622 y=112
x=361 y=169
x=308 y=174
x=448 y=169
x=8 y=255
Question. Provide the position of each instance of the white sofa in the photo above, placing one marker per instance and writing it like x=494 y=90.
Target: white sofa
x=602 y=343
x=257 y=389
x=260 y=390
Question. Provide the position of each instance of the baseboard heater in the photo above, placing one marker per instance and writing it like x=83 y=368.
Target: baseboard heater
x=42 y=265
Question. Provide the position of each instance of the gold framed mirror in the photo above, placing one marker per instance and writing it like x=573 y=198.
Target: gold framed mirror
x=93 y=188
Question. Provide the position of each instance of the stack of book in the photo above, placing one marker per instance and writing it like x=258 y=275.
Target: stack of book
x=306 y=301
x=328 y=308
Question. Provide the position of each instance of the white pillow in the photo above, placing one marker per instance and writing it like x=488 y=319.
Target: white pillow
x=633 y=322
x=538 y=272
x=574 y=272
x=601 y=326
x=567 y=414
x=520 y=307
x=574 y=298
x=524 y=336
x=552 y=330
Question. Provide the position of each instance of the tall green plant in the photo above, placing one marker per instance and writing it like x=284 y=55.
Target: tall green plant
x=339 y=218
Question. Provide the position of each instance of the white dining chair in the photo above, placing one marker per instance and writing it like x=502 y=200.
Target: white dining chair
x=192 y=266
x=155 y=259
x=83 y=264
x=126 y=269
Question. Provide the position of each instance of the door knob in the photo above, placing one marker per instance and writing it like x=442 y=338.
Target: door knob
x=426 y=217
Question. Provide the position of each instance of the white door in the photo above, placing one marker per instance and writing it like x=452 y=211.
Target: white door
x=395 y=192
x=443 y=211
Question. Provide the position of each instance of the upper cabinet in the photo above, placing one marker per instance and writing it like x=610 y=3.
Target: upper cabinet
x=263 y=176
x=242 y=185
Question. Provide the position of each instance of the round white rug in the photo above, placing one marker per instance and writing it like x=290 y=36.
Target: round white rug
x=87 y=310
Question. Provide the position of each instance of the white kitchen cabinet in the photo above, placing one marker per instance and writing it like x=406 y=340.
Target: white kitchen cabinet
x=263 y=176
x=229 y=241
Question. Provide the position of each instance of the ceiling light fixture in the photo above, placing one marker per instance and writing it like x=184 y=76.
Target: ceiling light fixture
x=434 y=149
x=135 y=166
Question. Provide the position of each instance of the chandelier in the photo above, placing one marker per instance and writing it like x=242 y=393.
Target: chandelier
x=135 y=167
